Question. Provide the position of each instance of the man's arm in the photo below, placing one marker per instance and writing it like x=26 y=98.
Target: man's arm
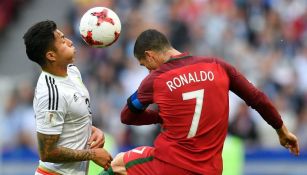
x=145 y=117
x=261 y=103
x=252 y=96
x=50 y=152
x=136 y=113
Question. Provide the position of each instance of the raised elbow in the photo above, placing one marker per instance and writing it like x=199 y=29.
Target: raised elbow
x=124 y=118
x=44 y=157
x=47 y=156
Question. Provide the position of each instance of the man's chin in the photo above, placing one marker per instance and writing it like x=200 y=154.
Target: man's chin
x=71 y=61
x=73 y=58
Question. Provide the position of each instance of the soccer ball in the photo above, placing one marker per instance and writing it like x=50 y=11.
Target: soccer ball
x=100 y=27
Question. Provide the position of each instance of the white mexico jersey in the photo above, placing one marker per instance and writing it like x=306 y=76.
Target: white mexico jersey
x=62 y=106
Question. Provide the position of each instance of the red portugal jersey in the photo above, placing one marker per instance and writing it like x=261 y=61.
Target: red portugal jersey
x=192 y=97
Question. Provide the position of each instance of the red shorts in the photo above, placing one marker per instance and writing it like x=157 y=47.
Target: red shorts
x=140 y=161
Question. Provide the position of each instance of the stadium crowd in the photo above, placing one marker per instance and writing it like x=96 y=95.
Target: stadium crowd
x=265 y=39
x=9 y=11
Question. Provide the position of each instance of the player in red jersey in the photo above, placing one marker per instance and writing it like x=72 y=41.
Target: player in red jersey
x=192 y=97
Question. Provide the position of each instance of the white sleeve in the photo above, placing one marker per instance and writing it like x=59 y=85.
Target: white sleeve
x=49 y=120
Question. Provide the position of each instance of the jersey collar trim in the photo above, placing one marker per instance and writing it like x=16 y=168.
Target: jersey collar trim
x=54 y=76
x=180 y=56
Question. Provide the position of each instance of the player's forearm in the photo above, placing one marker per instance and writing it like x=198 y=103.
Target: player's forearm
x=50 y=152
x=261 y=103
x=146 y=117
x=62 y=154
x=268 y=112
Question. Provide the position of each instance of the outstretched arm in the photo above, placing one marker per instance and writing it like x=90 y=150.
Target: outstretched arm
x=288 y=140
x=261 y=103
x=253 y=96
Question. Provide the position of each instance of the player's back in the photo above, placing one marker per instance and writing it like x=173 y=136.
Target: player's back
x=192 y=96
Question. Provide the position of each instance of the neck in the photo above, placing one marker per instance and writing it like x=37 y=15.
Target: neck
x=171 y=53
x=57 y=71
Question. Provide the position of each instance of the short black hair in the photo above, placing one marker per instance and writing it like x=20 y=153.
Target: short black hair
x=39 y=39
x=150 y=39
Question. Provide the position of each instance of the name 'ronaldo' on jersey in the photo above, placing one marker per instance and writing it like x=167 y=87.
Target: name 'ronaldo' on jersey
x=184 y=79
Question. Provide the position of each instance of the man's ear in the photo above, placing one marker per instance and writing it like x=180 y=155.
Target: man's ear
x=149 y=55
x=50 y=55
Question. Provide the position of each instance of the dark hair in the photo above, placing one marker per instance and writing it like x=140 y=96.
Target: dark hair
x=39 y=39
x=150 y=40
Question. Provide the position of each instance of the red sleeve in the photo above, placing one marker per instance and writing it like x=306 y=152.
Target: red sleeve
x=252 y=96
x=147 y=117
x=145 y=97
x=145 y=90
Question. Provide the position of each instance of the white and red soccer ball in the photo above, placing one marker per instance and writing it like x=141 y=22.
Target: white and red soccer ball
x=100 y=27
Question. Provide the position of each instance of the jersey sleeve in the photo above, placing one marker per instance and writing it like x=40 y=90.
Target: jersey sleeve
x=136 y=112
x=145 y=90
x=146 y=117
x=50 y=110
x=140 y=99
x=252 y=96
x=134 y=104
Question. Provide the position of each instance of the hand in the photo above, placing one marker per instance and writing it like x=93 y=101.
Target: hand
x=97 y=138
x=288 y=140
x=102 y=158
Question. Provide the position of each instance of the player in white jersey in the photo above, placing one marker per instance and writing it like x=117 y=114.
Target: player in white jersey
x=67 y=140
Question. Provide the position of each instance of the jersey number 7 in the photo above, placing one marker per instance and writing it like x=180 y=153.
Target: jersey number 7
x=199 y=95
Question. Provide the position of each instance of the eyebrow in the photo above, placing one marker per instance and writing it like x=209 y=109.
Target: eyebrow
x=61 y=34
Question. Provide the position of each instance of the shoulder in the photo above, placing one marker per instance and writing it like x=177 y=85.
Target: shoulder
x=43 y=84
x=206 y=59
x=48 y=93
x=220 y=62
x=149 y=79
x=73 y=69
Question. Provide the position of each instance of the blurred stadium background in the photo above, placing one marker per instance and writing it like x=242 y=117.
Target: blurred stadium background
x=265 y=39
